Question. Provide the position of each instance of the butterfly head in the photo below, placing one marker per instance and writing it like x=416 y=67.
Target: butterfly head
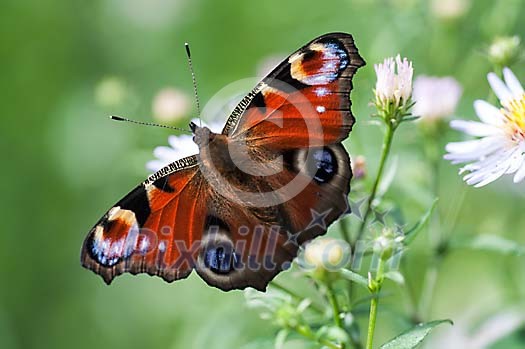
x=201 y=135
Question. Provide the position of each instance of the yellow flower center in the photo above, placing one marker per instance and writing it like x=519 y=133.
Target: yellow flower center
x=514 y=113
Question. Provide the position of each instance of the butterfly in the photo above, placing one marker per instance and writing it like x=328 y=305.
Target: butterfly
x=238 y=211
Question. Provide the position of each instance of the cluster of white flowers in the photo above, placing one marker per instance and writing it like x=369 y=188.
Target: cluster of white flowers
x=500 y=146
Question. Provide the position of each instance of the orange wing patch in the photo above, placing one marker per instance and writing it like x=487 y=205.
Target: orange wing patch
x=154 y=229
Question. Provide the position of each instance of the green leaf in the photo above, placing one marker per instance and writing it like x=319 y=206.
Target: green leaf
x=280 y=339
x=388 y=178
x=487 y=242
x=395 y=276
x=412 y=233
x=413 y=337
x=355 y=277
x=333 y=334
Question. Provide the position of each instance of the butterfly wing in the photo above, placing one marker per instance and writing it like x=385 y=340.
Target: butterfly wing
x=155 y=229
x=299 y=113
x=304 y=101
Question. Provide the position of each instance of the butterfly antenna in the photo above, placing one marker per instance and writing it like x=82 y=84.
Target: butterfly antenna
x=120 y=118
x=197 y=102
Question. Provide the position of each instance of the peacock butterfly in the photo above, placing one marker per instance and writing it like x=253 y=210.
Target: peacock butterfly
x=237 y=212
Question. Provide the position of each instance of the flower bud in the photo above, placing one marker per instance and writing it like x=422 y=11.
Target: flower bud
x=325 y=254
x=359 y=167
x=387 y=243
x=504 y=51
x=393 y=89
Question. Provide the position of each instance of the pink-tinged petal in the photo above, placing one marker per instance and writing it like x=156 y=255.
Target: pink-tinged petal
x=488 y=113
x=513 y=83
x=499 y=88
x=474 y=128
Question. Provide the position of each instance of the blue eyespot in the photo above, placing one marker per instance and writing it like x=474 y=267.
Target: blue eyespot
x=221 y=259
x=324 y=165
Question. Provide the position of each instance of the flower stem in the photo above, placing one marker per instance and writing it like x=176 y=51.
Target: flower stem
x=344 y=230
x=375 y=288
x=387 y=144
x=335 y=306
x=372 y=322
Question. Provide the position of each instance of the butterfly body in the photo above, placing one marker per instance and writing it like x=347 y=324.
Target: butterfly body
x=237 y=212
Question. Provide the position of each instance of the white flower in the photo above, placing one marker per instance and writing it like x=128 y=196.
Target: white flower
x=500 y=148
x=179 y=147
x=393 y=87
x=435 y=97
x=170 y=105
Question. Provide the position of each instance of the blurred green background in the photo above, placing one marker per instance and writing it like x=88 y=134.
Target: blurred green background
x=65 y=163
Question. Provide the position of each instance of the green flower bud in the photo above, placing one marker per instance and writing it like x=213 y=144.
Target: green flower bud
x=504 y=51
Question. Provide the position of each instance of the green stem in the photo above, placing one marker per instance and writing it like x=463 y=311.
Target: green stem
x=374 y=302
x=435 y=236
x=372 y=322
x=427 y=292
x=344 y=230
x=387 y=144
x=335 y=306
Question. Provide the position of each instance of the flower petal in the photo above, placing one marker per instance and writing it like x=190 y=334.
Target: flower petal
x=499 y=88
x=488 y=113
x=516 y=160
x=474 y=128
x=513 y=83
x=520 y=174
x=459 y=152
x=155 y=165
x=180 y=142
x=166 y=154
x=490 y=169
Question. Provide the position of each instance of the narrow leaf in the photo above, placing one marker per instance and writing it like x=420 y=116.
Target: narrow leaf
x=355 y=277
x=413 y=337
x=412 y=233
x=388 y=178
x=280 y=339
x=396 y=276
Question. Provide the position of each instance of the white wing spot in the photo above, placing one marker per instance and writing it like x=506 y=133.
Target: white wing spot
x=320 y=109
x=321 y=91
